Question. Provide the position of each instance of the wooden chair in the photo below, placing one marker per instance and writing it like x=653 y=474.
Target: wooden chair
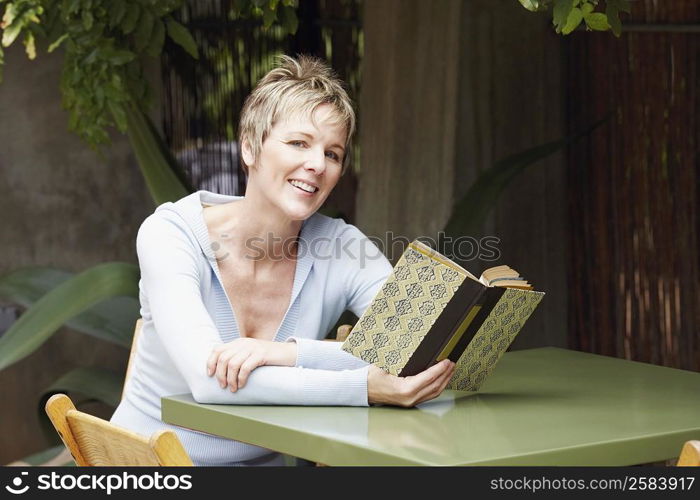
x=343 y=332
x=96 y=442
x=690 y=454
x=132 y=354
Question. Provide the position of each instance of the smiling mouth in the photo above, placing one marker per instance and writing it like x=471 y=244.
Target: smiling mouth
x=302 y=186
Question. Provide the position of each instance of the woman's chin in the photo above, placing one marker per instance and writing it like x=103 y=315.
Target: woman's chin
x=298 y=211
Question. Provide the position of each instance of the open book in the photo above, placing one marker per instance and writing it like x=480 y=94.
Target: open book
x=430 y=308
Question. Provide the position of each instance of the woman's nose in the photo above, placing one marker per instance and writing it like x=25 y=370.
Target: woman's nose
x=316 y=161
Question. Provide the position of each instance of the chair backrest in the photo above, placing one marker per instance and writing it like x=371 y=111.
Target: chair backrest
x=343 y=332
x=93 y=441
x=132 y=354
x=690 y=454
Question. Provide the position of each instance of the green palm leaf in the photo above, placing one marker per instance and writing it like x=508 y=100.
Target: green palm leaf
x=470 y=212
x=94 y=384
x=164 y=177
x=64 y=302
x=111 y=320
x=43 y=457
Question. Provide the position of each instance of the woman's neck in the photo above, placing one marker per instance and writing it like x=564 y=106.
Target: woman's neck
x=253 y=229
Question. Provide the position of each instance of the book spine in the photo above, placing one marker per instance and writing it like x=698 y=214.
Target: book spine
x=490 y=299
x=467 y=295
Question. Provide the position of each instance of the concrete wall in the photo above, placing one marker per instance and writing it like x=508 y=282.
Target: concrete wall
x=450 y=87
x=63 y=206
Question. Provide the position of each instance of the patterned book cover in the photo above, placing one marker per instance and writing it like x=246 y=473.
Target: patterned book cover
x=412 y=301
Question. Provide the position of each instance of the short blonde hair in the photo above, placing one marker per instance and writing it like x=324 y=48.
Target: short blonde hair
x=295 y=86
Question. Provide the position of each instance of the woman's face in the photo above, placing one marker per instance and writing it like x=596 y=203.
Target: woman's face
x=300 y=162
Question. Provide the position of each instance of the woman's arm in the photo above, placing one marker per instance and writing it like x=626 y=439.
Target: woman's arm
x=170 y=279
x=363 y=269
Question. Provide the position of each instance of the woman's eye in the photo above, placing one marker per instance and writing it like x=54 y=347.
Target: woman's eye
x=332 y=155
x=297 y=143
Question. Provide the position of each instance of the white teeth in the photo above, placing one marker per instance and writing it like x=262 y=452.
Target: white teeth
x=304 y=186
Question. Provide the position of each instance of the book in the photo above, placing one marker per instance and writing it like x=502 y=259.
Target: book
x=430 y=308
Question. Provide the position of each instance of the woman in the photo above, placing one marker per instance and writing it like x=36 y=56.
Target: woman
x=236 y=292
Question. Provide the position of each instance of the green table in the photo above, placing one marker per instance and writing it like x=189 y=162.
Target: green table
x=543 y=406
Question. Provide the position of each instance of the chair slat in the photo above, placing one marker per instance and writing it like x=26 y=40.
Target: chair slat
x=690 y=455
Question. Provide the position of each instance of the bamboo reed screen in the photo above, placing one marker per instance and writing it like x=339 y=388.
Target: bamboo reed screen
x=633 y=187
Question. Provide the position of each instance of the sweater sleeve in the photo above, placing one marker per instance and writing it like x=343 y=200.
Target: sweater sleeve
x=170 y=278
x=320 y=354
x=364 y=269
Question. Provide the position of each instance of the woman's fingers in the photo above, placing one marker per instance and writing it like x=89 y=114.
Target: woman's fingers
x=212 y=360
x=436 y=388
x=233 y=369
x=430 y=382
x=233 y=362
x=247 y=367
x=430 y=375
x=222 y=368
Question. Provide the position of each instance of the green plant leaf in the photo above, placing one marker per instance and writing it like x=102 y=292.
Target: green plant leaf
x=64 y=302
x=118 y=114
x=29 y=44
x=561 y=11
x=11 y=33
x=181 y=36
x=572 y=21
x=131 y=18
x=158 y=169
x=288 y=19
x=95 y=383
x=11 y=12
x=155 y=44
x=88 y=19
x=531 y=5
x=57 y=43
x=111 y=320
x=613 y=14
x=118 y=57
x=597 y=21
x=269 y=16
x=72 y=6
x=116 y=13
x=44 y=457
x=470 y=211
x=143 y=32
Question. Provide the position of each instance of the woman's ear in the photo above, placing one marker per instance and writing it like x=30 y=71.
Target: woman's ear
x=247 y=153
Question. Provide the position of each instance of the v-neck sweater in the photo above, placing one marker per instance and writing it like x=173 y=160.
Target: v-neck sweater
x=186 y=312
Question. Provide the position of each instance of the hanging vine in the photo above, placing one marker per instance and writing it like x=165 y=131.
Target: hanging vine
x=567 y=15
x=105 y=43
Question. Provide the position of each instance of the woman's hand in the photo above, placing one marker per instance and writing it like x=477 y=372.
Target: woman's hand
x=408 y=391
x=233 y=362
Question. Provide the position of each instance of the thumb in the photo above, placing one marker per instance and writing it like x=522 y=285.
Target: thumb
x=434 y=372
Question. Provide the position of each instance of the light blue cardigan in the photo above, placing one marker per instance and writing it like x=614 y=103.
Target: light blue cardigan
x=186 y=312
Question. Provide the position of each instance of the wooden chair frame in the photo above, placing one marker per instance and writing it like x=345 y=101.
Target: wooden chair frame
x=690 y=455
x=93 y=441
